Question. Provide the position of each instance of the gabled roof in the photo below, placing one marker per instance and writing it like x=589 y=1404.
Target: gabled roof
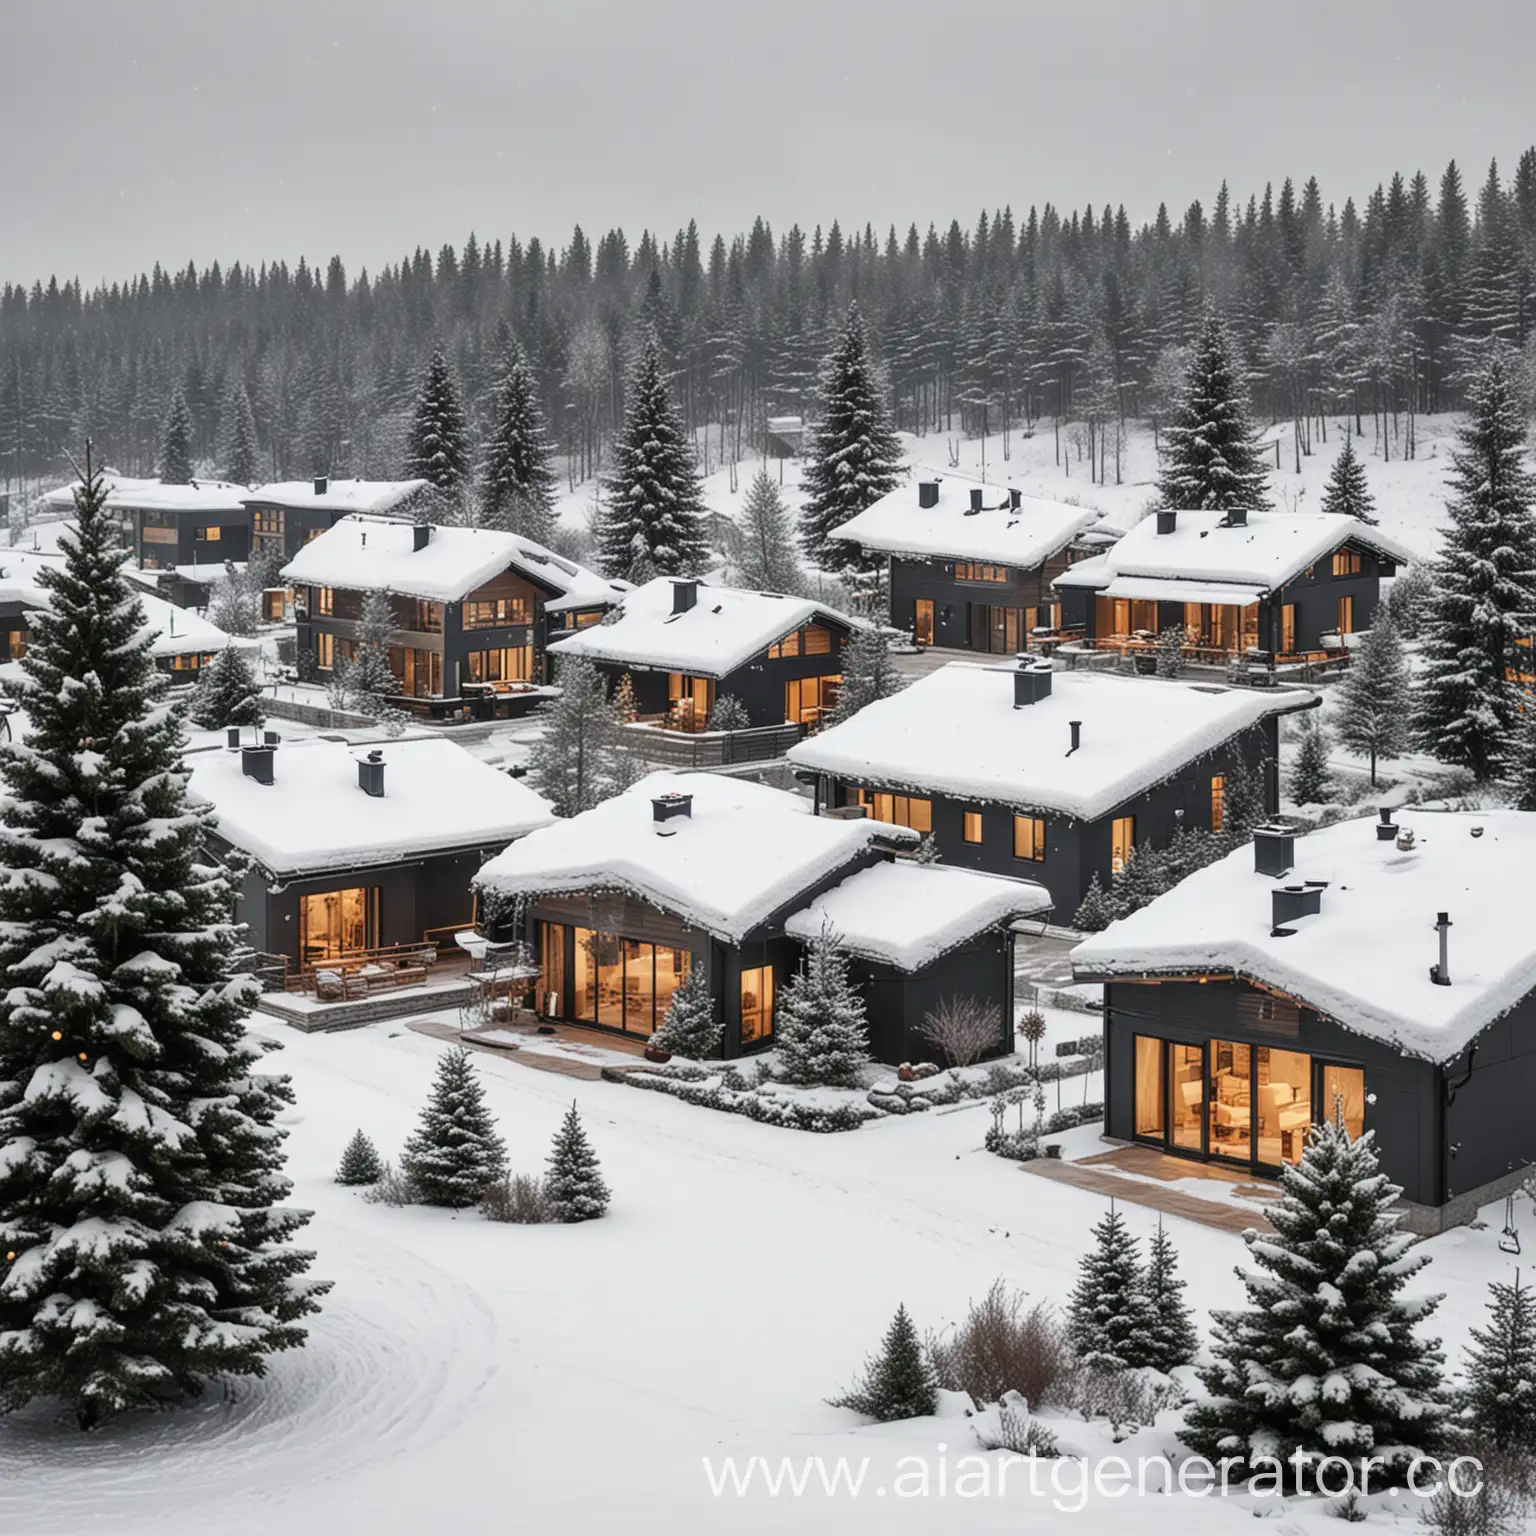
x=743 y=853
x=1364 y=958
x=956 y=732
x=338 y=496
x=908 y=914
x=1260 y=556
x=124 y=493
x=1002 y=534
x=379 y=554
x=314 y=816
x=725 y=628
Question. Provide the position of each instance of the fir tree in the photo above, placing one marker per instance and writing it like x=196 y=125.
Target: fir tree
x=360 y=1162
x=1485 y=580
x=517 y=477
x=1210 y=460
x=437 y=441
x=1172 y=1328
x=1094 y=911
x=729 y=714
x=1498 y=1397
x=1244 y=804
x=131 y=1104
x=625 y=709
x=855 y=456
x=455 y=1152
x=1310 y=776
x=580 y=758
x=227 y=693
x=653 y=524
x=1111 y=1320
x=1375 y=700
x=690 y=1028
x=1520 y=774
x=1348 y=493
x=1325 y=1359
x=176 y=443
x=574 y=1184
x=927 y=850
x=769 y=562
x=371 y=677
x=238 y=453
x=820 y=1032
x=899 y=1382
x=869 y=674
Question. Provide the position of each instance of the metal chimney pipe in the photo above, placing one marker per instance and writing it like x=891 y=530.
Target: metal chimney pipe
x=1441 y=974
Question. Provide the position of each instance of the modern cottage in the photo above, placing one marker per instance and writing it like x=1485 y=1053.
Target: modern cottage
x=474 y=609
x=1382 y=971
x=357 y=849
x=702 y=869
x=684 y=645
x=971 y=564
x=285 y=516
x=1048 y=776
x=1292 y=585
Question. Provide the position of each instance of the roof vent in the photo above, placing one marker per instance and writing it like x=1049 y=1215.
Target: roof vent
x=1031 y=683
x=322 y=485
x=684 y=595
x=927 y=493
x=370 y=774
x=1015 y=498
x=668 y=808
x=1076 y=727
x=1441 y=974
x=1386 y=828
x=1167 y=521
x=975 y=498
x=1274 y=851
x=421 y=536
x=1237 y=517
x=1288 y=902
x=256 y=763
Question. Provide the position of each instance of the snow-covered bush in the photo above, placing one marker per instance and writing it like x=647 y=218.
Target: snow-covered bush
x=1012 y=1427
x=897 y=1383
x=729 y=714
x=518 y=1198
x=360 y=1162
x=574 y=1187
x=713 y=1092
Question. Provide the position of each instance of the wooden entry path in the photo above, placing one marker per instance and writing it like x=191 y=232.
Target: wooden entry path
x=542 y=1061
x=1097 y=1173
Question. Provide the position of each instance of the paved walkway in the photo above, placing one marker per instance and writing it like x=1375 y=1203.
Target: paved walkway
x=544 y=1061
x=1099 y=1178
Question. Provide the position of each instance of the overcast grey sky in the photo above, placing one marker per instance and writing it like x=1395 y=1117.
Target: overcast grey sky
x=144 y=130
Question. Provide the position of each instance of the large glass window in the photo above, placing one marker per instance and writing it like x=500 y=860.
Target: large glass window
x=552 y=962
x=510 y=664
x=898 y=810
x=1346 y=623
x=975 y=570
x=807 y=699
x=973 y=826
x=922 y=621
x=1186 y=1073
x=998 y=630
x=1282 y=1103
x=336 y=923
x=496 y=612
x=624 y=983
x=1343 y=1096
x=1231 y=1101
x=756 y=1004
x=1218 y=802
x=1122 y=839
x=690 y=700
x=1347 y=562
x=1150 y=1094
x=1029 y=838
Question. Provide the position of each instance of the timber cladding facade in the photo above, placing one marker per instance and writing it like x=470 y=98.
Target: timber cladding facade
x=971 y=605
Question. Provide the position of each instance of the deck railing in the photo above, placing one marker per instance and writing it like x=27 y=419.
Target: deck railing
x=712 y=749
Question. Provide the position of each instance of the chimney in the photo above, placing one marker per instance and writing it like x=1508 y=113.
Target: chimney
x=975 y=498
x=1386 y=828
x=666 y=808
x=1015 y=498
x=1031 y=683
x=1167 y=521
x=684 y=595
x=1076 y=727
x=421 y=536
x=1441 y=974
x=1237 y=517
x=270 y=738
x=232 y=737
x=322 y=485
x=256 y=763
x=1288 y=902
x=1274 y=851
x=927 y=493
x=370 y=774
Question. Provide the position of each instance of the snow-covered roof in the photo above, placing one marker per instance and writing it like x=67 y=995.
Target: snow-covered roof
x=19 y=571
x=744 y=852
x=379 y=554
x=125 y=493
x=1261 y=555
x=314 y=816
x=1023 y=536
x=908 y=914
x=956 y=732
x=338 y=495
x=1364 y=958
x=723 y=630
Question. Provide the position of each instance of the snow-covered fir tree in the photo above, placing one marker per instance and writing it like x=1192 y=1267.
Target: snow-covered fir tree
x=729 y=714
x=371 y=677
x=821 y=1033
x=1484 y=586
x=899 y=1382
x=1244 y=804
x=581 y=757
x=769 y=560
x=437 y=440
x=239 y=455
x=1310 y=775
x=360 y=1162
x=855 y=456
x=1170 y=651
x=574 y=1185
x=1210 y=461
x=869 y=673
x=132 y=1106
x=1172 y=1327
x=1520 y=762
x=1110 y=1318
x=1094 y=912
x=455 y=1152
x=517 y=476
x=927 y=850
x=1348 y=493
x=1375 y=702
x=653 y=522
x=1326 y=1358
x=227 y=693
x=1497 y=1402
x=691 y=1027
x=176 y=442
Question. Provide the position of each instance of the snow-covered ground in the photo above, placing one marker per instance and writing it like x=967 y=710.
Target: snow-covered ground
x=472 y=1377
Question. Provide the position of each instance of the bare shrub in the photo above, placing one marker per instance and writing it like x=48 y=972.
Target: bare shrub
x=394 y=1187
x=1001 y=1348
x=1130 y=1400
x=1017 y=1430
x=519 y=1198
x=962 y=1029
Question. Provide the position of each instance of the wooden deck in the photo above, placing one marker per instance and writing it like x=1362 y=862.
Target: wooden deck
x=544 y=1061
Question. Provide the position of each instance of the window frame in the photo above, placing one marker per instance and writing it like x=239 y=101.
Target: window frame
x=1035 y=853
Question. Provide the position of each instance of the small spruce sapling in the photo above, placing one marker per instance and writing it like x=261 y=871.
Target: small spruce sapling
x=821 y=1035
x=1375 y=700
x=455 y=1152
x=1348 y=493
x=1498 y=1399
x=574 y=1186
x=729 y=714
x=1094 y=912
x=227 y=693
x=899 y=1382
x=1110 y=1319
x=691 y=1028
x=1310 y=777
x=360 y=1162
x=1172 y=1328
